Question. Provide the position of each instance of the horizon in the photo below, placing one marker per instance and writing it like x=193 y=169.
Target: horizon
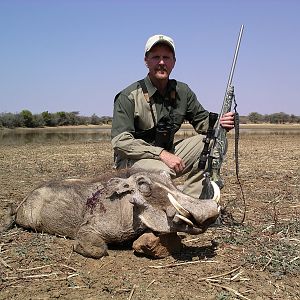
x=107 y=116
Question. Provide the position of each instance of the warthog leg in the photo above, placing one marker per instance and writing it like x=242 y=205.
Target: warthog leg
x=89 y=243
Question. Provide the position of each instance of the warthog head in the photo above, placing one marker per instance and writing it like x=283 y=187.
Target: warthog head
x=161 y=206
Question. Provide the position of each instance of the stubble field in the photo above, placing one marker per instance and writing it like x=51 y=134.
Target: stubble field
x=259 y=259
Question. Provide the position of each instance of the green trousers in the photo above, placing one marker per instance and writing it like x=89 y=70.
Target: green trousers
x=189 y=150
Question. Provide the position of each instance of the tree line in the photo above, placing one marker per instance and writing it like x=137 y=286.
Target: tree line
x=26 y=118
x=276 y=118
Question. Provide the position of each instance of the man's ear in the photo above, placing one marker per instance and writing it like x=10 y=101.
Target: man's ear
x=145 y=61
x=174 y=61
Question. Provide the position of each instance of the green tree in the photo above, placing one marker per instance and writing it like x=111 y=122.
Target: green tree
x=9 y=120
x=255 y=117
x=27 y=117
x=95 y=120
x=49 y=119
x=106 y=120
x=72 y=117
x=62 y=118
x=38 y=120
x=279 y=118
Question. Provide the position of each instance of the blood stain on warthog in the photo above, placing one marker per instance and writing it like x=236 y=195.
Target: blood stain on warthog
x=92 y=201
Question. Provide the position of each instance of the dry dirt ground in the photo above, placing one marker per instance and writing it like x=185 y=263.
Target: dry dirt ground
x=257 y=260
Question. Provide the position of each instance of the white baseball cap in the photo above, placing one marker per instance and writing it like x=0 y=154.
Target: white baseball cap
x=157 y=39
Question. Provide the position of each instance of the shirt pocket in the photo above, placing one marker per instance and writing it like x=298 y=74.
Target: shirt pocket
x=143 y=118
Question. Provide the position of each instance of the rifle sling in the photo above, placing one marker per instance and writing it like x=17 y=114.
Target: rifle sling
x=236 y=155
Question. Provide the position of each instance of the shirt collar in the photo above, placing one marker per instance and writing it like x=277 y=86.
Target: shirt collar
x=152 y=89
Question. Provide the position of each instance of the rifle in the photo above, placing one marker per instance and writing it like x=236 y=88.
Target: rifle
x=215 y=142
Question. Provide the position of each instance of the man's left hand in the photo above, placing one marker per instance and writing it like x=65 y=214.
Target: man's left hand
x=227 y=121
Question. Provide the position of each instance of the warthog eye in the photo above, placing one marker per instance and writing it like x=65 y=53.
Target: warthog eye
x=144 y=188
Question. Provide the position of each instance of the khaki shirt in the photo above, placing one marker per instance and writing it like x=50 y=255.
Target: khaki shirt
x=132 y=114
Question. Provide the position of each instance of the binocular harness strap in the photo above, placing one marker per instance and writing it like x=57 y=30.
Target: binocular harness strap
x=147 y=98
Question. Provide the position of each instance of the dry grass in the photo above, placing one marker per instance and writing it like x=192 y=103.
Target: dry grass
x=259 y=259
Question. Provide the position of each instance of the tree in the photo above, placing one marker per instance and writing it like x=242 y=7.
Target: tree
x=95 y=120
x=255 y=117
x=106 y=120
x=279 y=118
x=38 y=120
x=72 y=118
x=27 y=117
x=62 y=118
x=9 y=120
x=48 y=119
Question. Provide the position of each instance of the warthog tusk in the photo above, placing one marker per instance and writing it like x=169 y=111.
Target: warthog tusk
x=184 y=219
x=217 y=192
x=178 y=207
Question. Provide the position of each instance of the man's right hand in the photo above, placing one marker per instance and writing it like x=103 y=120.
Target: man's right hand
x=172 y=161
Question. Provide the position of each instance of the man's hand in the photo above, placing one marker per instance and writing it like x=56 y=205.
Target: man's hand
x=227 y=121
x=172 y=161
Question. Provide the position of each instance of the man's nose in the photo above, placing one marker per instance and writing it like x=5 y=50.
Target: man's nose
x=161 y=61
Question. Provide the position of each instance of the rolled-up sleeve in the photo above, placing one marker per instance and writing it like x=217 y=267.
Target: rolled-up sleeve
x=127 y=146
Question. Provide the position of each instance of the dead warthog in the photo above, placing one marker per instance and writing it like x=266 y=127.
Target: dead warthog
x=110 y=209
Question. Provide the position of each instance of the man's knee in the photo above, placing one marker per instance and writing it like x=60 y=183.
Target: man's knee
x=150 y=164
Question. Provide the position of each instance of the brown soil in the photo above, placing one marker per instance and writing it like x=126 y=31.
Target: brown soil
x=257 y=260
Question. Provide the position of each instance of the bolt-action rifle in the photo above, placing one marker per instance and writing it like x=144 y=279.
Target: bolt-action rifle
x=215 y=142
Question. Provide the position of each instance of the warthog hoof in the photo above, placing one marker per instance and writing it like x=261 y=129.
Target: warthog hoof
x=157 y=246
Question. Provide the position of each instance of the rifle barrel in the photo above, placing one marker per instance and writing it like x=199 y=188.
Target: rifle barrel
x=235 y=56
x=233 y=65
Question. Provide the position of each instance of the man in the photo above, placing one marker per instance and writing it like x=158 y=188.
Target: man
x=149 y=112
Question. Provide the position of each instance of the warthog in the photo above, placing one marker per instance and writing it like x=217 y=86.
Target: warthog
x=100 y=211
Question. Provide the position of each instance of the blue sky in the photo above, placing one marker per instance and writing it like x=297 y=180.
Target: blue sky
x=76 y=55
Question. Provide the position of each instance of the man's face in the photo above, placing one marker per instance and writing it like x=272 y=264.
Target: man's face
x=160 y=62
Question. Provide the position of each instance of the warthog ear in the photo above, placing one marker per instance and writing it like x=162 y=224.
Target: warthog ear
x=118 y=186
x=155 y=219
